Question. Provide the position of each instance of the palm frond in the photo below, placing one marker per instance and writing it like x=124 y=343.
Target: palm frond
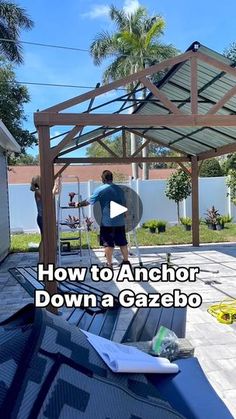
x=162 y=51
x=104 y=46
x=137 y=20
x=11 y=50
x=129 y=40
x=119 y=17
x=12 y=19
x=155 y=31
x=15 y=16
x=118 y=69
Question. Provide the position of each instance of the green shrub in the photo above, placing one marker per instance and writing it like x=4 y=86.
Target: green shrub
x=161 y=223
x=186 y=221
x=224 y=219
x=151 y=224
x=211 y=168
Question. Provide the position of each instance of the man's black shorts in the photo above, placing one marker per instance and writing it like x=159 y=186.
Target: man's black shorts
x=112 y=236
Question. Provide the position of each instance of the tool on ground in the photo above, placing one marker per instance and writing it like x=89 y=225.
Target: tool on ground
x=225 y=312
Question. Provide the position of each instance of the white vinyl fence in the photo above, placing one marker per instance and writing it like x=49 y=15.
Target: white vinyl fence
x=212 y=191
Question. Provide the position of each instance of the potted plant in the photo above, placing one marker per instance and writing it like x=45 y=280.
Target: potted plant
x=186 y=222
x=152 y=225
x=72 y=222
x=161 y=225
x=225 y=219
x=88 y=223
x=212 y=218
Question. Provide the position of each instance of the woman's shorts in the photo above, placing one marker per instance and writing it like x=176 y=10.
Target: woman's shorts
x=40 y=223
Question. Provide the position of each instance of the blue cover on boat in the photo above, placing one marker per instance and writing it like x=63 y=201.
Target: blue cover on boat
x=190 y=392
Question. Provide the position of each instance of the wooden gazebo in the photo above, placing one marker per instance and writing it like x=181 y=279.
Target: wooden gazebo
x=191 y=110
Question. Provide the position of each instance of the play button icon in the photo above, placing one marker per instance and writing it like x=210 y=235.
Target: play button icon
x=114 y=201
x=116 y=209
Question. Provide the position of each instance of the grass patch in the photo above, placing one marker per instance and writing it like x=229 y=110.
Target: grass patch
x=173 y=235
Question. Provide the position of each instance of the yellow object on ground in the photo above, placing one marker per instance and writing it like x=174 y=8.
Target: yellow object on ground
x=225 y=312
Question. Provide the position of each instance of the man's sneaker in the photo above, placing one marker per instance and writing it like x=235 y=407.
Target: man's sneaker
x=106 y=265
x=125 y=262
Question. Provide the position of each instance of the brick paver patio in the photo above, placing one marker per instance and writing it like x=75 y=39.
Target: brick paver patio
x=215 y=343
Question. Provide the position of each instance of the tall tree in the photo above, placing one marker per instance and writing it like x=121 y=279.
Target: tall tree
x=12 y=19
x=178 y=188
x=134 y=45
x=230 y=52
x=12 y=100
x=211 y=168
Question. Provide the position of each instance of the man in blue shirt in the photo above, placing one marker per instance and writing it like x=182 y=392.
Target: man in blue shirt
x=112 y=230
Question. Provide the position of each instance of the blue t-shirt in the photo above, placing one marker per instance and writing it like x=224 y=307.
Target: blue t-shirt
x=104 y=195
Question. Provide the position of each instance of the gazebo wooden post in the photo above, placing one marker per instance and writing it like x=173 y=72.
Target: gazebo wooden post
x=49 y=216
x=195 y=201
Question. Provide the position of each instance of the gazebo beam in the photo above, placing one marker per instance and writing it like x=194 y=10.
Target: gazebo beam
x=48 y=205
x=65 y=141
x=122 y=82
x=140 y=148
x=229 y=148
x=185 y=169
x=87 y=142
x=155 y=141
x=195 y=201
x=121 y=160
x=161 y=96
x=61 y=170
x=108 y=149
x=124 y=143
x=216 y=63
x=129 y=120
x=228 y=95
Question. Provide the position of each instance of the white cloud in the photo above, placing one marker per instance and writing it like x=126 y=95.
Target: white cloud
x=97 y=11
x=130 y=6
x=102 y=10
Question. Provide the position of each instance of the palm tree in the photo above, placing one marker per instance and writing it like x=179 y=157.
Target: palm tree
x=135 y=45
x=12 y=19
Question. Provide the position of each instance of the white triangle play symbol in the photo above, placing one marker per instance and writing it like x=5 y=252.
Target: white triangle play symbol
x=116 y=209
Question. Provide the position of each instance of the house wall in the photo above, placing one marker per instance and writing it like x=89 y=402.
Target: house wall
x=4 y=208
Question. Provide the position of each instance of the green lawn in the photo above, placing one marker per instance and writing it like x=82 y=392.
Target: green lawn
x=173 y=235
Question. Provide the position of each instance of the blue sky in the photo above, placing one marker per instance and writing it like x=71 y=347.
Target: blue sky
x=76 y=22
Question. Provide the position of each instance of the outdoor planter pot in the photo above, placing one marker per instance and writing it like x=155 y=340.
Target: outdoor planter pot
x=152 y=225
x=161 y=229
x=152 y=229
x=219 y=227
x=186 y=223
x=211 y=226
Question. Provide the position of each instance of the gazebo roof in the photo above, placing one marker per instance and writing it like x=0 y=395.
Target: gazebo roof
x=191 y=109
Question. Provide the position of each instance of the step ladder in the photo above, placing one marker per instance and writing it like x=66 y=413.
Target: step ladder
x=130 y=220
x=80 y=225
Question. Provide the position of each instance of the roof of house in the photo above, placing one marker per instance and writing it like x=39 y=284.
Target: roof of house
x=7 y=141
x=24 y=174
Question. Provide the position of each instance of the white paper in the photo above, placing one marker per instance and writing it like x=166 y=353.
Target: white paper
x=123 y=358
